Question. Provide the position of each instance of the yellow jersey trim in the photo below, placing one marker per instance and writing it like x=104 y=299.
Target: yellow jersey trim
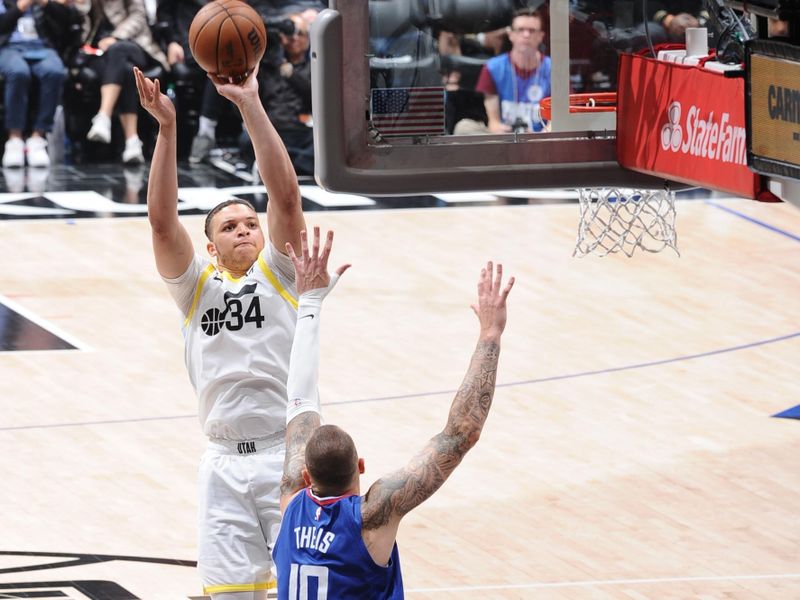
x=230 y=277
x=275 y=283
x=240 y=587
x=200 y=283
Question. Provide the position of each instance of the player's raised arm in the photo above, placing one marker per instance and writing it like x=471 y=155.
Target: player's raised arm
x=171 y=242
x=393 y=496
x=284 y=209
x=303 y=411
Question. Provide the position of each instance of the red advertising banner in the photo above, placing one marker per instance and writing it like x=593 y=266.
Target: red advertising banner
x=683 y=122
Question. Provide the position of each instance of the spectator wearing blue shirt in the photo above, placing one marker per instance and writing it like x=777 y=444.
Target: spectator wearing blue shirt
x=30 y=32
x=514 y=83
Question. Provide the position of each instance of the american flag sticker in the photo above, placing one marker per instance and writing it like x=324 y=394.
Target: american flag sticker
x=408 y=111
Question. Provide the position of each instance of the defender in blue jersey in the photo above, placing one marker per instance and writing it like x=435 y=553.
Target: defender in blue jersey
x=335 y=543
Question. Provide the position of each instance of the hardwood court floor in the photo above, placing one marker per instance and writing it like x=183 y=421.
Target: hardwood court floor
x=630 y=451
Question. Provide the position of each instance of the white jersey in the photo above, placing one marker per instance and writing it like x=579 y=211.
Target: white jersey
x=238 y=337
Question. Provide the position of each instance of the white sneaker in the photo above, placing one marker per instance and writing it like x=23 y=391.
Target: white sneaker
x=101 y=129
x=132 y=155
x=134 y=178
x=15 y=180
x=37 y=180
x=37 y=152
x=14 y=153
x=201 y=148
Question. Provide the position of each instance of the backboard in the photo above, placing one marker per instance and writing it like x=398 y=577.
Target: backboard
x=358 y=47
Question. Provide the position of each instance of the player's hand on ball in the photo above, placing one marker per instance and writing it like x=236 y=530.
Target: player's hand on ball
x=491 y=305
x=237 y=90
x=152 y=100
x=311 y=268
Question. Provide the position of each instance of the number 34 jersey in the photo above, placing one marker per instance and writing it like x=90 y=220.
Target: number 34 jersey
x=238 y=337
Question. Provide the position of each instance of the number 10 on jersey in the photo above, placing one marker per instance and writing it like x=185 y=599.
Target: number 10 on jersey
x=300 y=581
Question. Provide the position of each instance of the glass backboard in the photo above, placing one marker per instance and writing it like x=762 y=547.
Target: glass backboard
x=381 y=56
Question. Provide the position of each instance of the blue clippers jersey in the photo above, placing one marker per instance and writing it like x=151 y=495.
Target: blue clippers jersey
x=320 y=554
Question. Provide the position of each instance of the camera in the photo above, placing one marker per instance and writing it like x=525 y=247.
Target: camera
x=276 y=26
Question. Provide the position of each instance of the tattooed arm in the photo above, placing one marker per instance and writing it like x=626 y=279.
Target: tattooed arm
x=302 y=411
x=298 y=431
x=393 y=496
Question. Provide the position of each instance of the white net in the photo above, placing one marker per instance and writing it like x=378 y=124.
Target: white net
x=621 y=220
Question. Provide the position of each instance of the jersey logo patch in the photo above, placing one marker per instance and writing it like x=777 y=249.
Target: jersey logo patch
x=250 y=288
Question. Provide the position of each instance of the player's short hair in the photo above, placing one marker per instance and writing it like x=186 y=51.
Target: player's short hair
x=527 y=11
x=331 y=460
x=219 y=207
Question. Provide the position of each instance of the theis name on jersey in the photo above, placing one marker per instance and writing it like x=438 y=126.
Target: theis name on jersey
x=313 y=538
x=239 y=310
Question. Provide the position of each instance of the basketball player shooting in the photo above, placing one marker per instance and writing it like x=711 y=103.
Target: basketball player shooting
x=332 y=539
x=239 y=318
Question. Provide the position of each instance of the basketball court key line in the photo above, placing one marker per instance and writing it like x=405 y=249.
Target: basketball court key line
x=602 y=582
x=772 y=228
x=441 y=392
x=49 y=327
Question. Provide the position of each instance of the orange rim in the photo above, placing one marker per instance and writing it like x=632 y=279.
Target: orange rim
x=583 y=103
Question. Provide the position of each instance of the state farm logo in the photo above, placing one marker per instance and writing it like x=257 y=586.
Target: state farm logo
x=705 y=138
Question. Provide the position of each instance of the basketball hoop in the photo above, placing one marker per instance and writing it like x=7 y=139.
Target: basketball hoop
x=619 y=219
x=582 y=103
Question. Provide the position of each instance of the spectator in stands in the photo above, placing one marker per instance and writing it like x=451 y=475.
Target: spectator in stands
x=285 y=7
x=212 y=104
x=462 y=60
x=778 y=30
x=285 y=87
x=119 y=29
x=31 y=33
x=176 y=17
x=494 y=42
x=514 y=83
x=206 y=137
x=675 y=16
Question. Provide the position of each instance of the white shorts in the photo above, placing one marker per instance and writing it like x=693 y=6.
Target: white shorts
x=239 y=514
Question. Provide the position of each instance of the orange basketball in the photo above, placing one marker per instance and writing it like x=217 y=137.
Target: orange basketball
x=227 y=38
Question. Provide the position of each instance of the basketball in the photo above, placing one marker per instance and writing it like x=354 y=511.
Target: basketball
x=227 y=38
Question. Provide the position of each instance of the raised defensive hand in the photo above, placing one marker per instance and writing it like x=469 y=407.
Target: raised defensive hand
x=311 y=269
x=152 y=100
x=491 y=305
